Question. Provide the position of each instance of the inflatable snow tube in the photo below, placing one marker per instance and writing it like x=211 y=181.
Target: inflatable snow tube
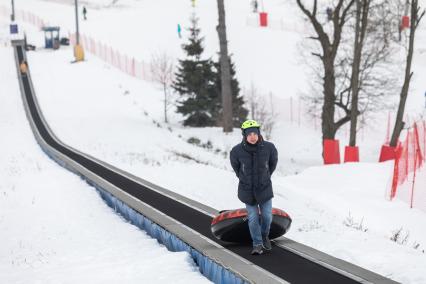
x=232 y=225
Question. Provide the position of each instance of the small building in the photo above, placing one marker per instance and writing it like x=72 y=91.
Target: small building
x=51 y=37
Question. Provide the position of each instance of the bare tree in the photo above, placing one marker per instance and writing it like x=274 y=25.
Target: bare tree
x=329 y=48
x=414 y=22
x=377 y=79
x=268 y=118
x=252 y=96
x=162 y=68
x=344 y=69
x=261 y=110
x=225 y=70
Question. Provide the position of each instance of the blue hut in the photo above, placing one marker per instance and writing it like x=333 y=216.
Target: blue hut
x=51 y=37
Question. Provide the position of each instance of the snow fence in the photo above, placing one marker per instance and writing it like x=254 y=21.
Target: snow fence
x=409 y=177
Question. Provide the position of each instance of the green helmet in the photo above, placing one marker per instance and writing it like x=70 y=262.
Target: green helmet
x=250 y=123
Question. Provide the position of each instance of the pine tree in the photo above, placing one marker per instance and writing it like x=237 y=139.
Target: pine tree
x=239 y=112
x=195 y=82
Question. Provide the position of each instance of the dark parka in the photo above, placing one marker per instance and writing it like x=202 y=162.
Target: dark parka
x=254 y=165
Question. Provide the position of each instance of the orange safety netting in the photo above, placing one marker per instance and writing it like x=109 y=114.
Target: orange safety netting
x=410 y=157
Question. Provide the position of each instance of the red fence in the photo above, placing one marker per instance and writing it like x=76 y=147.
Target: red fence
x=24 y=16
x=409 y=183
x=4 y=12
x=30 y=18
x=141 y=69
x=124 y=63
x=128 y=65
x=294 y=108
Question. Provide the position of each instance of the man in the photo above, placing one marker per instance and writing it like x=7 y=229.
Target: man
x=254 y=160
x=84 y=13
x=255 y=5
x=179 y=30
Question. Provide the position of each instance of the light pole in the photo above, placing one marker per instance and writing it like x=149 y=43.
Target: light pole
x=78 y=49
x=77 y=35
x=13 y=25
x=12 y=17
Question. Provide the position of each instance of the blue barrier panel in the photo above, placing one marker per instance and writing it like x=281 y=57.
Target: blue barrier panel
x=207 y=267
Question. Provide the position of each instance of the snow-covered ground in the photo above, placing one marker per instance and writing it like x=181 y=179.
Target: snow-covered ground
x=55 y=228
x=52 y=222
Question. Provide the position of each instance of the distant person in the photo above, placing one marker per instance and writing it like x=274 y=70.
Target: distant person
x=255 y=5
x=179 y=31
x=84 y=13
x=329 y=13
x=23 y=67
x=254 y=161
x=193 y=3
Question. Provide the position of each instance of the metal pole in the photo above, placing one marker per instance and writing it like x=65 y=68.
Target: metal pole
x=12 y=17
x=77 y=35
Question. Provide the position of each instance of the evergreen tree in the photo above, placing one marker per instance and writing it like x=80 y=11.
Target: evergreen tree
x=195 y=82
x=239 y=112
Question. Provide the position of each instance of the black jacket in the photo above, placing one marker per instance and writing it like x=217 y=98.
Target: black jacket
x=254 y=166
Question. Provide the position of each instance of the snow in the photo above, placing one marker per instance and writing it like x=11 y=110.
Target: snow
x=56 y=228
x=53 y=222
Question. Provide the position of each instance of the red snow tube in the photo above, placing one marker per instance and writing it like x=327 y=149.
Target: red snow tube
x=232 y=225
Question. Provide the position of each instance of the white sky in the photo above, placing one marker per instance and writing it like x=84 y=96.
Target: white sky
x=53 y=222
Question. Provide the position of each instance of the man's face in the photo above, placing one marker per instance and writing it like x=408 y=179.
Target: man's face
x=252 y=138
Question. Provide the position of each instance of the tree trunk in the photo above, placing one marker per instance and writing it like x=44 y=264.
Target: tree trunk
x=329 y=46
x=360 y=30
x=165 y=102
x=225 y=69
x=399 y=123
x=328 y=108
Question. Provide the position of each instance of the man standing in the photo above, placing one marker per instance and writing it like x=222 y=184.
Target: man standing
x=179 y=31
x=84 y=13
x=255 y=5
x=254 y=160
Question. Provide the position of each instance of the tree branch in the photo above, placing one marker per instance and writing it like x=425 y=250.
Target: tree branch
x=345 y=12
x=344 y=107
x=420 y=17
x=314 y=11
x=317 y=54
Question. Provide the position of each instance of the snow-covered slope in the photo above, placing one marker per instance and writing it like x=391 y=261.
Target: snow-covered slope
x=341 y=210
x=54 y=227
